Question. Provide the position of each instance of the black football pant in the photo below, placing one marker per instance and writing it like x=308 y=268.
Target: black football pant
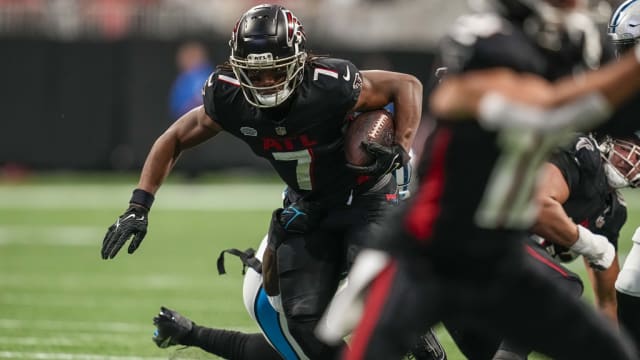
x=514 y=302
x=311 y=265
x=481 y=345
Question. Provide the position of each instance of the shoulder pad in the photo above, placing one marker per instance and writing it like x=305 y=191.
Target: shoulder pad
x=217 y=86
x=338 y=81
x=587 y=154
x=335 y=72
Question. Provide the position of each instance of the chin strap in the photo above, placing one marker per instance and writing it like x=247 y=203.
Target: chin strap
x=247 y=257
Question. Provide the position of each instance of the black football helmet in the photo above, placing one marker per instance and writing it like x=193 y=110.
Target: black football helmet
x=623 y=26
x=268 y=39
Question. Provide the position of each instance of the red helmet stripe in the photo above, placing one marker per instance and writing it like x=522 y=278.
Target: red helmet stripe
x=290 y=26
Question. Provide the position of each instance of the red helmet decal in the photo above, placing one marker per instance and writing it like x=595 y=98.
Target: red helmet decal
x=290 y=26
x=234 y=34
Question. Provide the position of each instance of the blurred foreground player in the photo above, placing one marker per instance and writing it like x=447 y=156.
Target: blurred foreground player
x=581 y=213
x=456 y=249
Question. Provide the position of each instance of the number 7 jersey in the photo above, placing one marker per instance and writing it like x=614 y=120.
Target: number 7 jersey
x=302 y=139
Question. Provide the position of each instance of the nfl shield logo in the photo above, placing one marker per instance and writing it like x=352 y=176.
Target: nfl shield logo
x=281 y=130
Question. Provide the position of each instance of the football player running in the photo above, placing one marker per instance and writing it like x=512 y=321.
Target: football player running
x=290 y=107
x=456 y=249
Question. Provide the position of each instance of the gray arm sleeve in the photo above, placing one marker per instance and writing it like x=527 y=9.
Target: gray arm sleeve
x=498 y=112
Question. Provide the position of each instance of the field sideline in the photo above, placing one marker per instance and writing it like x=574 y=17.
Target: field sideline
x=60 y=301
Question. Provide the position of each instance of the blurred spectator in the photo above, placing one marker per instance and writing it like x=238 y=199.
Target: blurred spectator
x=194 y=67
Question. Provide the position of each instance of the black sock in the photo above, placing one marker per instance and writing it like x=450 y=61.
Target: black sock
x=629 y=315
x=231 y=345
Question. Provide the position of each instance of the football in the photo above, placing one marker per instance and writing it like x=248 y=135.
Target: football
x=372 y=126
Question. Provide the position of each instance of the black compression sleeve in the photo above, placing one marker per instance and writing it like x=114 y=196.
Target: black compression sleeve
x=231 y=344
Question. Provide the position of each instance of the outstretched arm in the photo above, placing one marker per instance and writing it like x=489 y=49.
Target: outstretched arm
x=554 y=225
x=189 y=130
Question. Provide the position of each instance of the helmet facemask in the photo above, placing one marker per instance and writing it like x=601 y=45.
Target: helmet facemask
x=622 y=162
x=281 y=76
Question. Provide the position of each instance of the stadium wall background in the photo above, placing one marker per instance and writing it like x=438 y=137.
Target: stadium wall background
x=94 y=105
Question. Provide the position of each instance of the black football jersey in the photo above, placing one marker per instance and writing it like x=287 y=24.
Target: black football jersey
x=592 y=203
x=304 y=142
x=489 y=174
x=477 y=185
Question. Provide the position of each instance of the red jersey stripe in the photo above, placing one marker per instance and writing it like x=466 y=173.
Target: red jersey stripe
x=426 y=208
x=380 y=290
x=546 y=261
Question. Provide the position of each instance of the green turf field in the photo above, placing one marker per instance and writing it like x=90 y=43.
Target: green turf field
x=59 y=300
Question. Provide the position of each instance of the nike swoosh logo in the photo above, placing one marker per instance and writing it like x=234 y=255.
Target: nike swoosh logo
x=633 y=25
x=347 y=76
x=127 y=218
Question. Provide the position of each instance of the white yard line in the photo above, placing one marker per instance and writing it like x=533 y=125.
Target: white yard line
x=115 y=327
x=90 y=329
x=50 y=235
x=78 y=281
x=66 y=356
x=37 y=341
x=170 y=197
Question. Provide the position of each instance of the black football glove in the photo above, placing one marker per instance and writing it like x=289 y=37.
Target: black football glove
x=134 y=223
x=171 y=328
x=385 y=159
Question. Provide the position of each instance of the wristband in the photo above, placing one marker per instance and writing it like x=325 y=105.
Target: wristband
x=587 y=242
x=142 y=198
